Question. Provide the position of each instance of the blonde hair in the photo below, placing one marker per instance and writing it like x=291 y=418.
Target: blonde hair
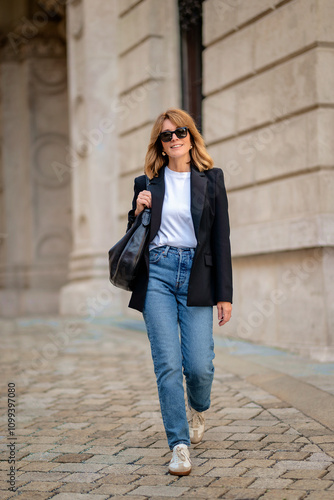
x=198 y=154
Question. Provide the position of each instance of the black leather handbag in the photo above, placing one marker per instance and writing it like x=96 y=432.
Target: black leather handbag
x=127 y=255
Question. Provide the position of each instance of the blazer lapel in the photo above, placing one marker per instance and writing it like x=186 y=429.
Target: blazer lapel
x=198 y=190
x=157 y=188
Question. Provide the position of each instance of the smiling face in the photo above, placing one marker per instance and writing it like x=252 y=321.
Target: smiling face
x=176 y=148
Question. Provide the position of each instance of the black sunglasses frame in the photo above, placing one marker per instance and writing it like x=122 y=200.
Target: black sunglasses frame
x=177 y=131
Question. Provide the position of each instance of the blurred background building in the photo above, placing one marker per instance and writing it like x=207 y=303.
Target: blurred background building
x=82 y=82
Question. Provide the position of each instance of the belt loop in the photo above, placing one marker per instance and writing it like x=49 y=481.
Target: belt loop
x=165 y=252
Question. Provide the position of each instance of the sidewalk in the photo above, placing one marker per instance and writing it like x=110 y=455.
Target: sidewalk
x=88 y=424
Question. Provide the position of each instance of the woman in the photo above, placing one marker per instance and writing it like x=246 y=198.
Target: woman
x=186 y=270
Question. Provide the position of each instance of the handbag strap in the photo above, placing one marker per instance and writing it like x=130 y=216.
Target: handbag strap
x=146 y=217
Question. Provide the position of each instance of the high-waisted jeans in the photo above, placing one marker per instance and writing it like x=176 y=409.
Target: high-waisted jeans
x=181 y=339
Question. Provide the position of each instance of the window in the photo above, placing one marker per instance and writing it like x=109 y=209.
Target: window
x=190 y=18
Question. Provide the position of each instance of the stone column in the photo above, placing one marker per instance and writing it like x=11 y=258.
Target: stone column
x=36 y=217
x=92 y=156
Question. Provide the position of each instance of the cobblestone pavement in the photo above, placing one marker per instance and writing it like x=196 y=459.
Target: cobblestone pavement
x=88 y=424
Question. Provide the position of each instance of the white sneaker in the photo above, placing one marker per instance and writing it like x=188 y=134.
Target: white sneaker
x=180 y=465
x=196 y=426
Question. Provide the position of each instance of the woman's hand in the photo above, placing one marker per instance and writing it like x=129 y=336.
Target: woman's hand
x=224 y=312
x=144 y=199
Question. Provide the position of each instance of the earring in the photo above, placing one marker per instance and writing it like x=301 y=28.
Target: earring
x=190 y=147
x=163 y=153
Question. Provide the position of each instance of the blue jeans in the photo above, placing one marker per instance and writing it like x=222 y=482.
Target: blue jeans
x=165 y=313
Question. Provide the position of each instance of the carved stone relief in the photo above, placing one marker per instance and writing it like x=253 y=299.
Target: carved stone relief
x=47 y=149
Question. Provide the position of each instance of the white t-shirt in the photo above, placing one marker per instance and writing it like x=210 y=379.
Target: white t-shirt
x=177 y=228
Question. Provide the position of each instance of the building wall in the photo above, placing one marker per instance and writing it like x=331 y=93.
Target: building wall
x=268 y=116
x=35 y=204
x=268 y=122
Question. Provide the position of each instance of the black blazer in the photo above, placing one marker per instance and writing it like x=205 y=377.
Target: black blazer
x=211 y=273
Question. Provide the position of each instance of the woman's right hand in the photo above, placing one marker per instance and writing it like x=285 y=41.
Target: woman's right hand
x=144 y=199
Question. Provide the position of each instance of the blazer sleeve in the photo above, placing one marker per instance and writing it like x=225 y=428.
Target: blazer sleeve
x=139 y=185
x=221 y=243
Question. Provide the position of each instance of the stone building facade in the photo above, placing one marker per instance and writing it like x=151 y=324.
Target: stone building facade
x=77 y=106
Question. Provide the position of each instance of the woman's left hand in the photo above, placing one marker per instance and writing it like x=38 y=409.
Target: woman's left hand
x=224 y=312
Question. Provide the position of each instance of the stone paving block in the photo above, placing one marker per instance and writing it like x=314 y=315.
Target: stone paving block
x=247 y=445
x=43 y=476
x=243 y=494
x=6 y=494
x=305 y=474
x=263 y=472
x=214 y=445
x=77 y=467
x=73 y=457
x=270 y=482
x=142 y=452
x=37 y=466
x=233 y=482
x=283 y=495
x=218 y=453
x=300 y=464
x=327 y=447
x=327 y=438
x=254 y=454
x=41 y=486
x=319 y=495
x=42 y=456
x=311 y=484
x=77 y=487
x=320 y=457
x=34 y=495
x=161 y=491
x=164 y=480
x=118 y=479
x=253 y=462
x=329 y=475
x=281 y=438
x=202 y=470
x=283 y=446
x=222 y=462
x=102 y=450
x=239 y=413
x=254 y=436
x=69 y=449
x=113 y=489
x=152 y=461
x=82 y=477
x=290 y=455
x=121 y=469
x=216 y=436
x=226 y=471
x=274 y=429
x=195 y=482
x=79 y=496
x=107 y=460
x=204 y=492
x=235 y=428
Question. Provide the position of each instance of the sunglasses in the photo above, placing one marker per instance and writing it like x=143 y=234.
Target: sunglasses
x=180 y=132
